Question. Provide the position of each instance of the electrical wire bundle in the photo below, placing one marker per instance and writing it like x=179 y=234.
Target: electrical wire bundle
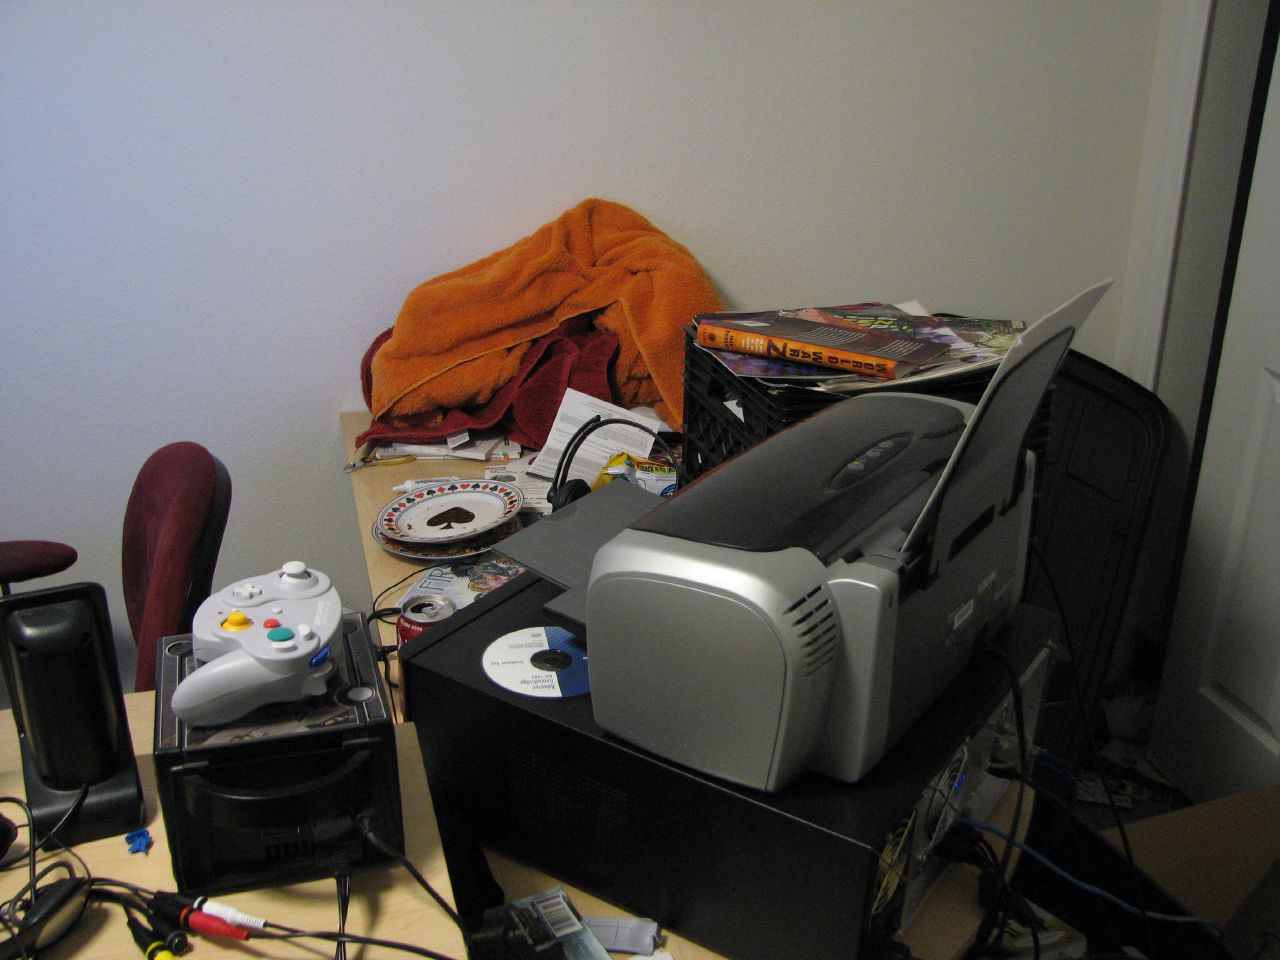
x=967 y=841
x=162 y=923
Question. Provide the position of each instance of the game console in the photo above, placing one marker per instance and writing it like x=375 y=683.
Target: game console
x=261 y=640
x=282 y=794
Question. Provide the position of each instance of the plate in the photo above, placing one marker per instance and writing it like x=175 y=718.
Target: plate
x=448 y=511
x=447 y=551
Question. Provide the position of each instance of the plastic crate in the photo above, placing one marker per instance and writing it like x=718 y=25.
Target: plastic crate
x=714 y=397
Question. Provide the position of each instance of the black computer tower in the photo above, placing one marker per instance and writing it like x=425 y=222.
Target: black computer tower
x=751 y=875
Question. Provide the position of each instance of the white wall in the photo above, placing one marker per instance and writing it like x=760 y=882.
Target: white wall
x=209 y=209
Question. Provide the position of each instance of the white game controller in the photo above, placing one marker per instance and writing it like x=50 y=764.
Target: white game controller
x=261 y=640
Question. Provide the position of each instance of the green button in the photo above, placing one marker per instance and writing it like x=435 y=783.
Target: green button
x=280 y=634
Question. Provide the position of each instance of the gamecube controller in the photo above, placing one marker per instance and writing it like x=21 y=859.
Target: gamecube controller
x=258 y=641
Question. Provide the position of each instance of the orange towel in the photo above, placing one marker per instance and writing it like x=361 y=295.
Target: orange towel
x=460 y=336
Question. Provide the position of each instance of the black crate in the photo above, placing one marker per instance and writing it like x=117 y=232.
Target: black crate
x=713 y=432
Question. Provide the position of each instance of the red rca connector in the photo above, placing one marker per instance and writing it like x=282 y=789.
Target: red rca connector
x=212 y=926
x=182 y=910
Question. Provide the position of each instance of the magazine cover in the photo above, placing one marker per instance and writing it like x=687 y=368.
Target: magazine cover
x=457 y=583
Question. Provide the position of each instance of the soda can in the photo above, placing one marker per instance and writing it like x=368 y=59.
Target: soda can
x=420 y=612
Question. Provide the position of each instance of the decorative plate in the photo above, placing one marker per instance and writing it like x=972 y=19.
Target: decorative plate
x=447 y=551
x=449 y=510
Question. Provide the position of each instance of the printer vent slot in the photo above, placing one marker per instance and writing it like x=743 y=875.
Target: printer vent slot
x=814 y=625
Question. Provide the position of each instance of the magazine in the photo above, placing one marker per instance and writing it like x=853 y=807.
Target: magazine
x=971 y=343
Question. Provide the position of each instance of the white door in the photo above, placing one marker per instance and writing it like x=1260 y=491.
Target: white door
x=1217 y=727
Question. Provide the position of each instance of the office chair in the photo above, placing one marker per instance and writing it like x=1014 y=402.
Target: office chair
x=173 y=527
x=1099 y=482
x=22 y=560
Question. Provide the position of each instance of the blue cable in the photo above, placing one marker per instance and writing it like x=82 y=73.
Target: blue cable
x=1087 y=887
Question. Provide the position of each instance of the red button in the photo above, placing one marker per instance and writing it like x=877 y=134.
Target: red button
x=270 y=622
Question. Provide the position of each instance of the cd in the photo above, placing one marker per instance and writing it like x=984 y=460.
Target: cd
x=538 y=662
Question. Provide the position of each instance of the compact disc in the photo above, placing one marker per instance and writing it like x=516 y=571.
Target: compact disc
x=538 y=662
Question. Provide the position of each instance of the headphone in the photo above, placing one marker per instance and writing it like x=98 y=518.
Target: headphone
x=566 y=493
x=40 y=913
x=52 y=910
x=563 y=490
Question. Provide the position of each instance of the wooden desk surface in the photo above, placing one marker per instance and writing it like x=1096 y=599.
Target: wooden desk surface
x=371 y=488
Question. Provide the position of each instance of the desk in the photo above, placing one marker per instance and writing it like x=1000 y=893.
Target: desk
x=941 y=930
x=385 y=900
x=371 y=488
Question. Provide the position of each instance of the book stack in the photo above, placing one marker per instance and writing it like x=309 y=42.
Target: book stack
x=853 y=347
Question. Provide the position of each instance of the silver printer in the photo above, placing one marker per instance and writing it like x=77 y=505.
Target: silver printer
x=801 y=605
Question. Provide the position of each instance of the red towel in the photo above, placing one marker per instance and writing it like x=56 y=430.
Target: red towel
x=462 y=337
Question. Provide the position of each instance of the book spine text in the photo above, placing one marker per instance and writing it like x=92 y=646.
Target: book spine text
x=774 y=347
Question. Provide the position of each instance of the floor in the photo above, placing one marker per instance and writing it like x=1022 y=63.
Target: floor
x=1135 y=787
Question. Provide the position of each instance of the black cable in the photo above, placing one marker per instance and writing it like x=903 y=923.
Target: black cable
x=72 y=810
x=565 y=464
x=994 y=918
x=153 y=928
x=108 y=883
x=383 y=654
x=24 y=898
x=1086 y=724
x=14 y=930
x=126 y=901
x=133 y=899
x=388 y=850
x=1087 y=887
x=30 y=854
x=344 y=901
x=275 y=931
x=377 y=601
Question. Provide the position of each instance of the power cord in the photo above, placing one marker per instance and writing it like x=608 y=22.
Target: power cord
x=1086 y=725
x=387 y=850
x=343 y=879
x=1000 y=899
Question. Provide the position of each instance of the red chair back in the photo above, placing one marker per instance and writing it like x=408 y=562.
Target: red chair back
x=173 y=527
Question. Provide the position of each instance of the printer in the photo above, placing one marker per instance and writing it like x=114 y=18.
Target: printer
x=800 y=606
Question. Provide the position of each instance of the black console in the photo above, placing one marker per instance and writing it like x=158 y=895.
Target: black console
x=286 y=792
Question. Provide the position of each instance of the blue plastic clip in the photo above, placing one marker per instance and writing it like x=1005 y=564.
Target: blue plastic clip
x=139 y=841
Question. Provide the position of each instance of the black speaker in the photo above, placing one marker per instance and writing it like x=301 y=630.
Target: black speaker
x=59 y=664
